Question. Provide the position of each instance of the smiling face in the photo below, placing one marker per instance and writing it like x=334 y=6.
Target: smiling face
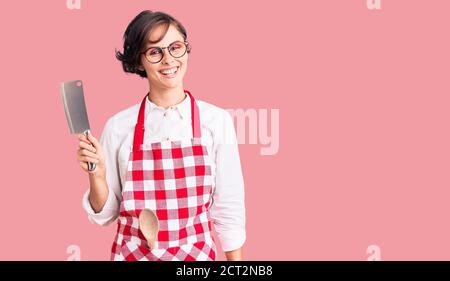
x=169 y=72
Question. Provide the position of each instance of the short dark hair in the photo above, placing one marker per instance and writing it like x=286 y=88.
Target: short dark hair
x=134 y=38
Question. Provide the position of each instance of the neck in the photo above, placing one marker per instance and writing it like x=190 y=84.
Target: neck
x=166 y=97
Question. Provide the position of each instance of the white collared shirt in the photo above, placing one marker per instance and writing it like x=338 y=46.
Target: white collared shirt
x=174 y=123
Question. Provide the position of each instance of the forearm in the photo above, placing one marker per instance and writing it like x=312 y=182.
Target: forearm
x=98 y=193
x=235 y=255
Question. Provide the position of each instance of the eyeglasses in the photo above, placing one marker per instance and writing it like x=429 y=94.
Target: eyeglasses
x=176 y=49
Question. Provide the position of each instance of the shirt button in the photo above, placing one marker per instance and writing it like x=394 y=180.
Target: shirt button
x=167 y=139
x=165 y=114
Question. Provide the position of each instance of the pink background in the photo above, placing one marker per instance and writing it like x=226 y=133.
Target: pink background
x=362 y=94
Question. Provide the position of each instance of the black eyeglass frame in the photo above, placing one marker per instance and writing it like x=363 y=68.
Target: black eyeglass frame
x=186 y=43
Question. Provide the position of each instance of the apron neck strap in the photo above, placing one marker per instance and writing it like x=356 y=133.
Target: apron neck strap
x=139 y=129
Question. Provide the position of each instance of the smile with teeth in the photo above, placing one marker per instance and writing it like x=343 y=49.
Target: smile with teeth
x=169 y=72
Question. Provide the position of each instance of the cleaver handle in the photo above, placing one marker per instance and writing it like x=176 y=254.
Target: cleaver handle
x=91 y=166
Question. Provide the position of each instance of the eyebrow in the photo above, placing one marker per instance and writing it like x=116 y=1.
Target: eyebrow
x=148 y=44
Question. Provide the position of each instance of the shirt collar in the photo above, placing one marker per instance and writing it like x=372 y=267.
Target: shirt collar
x=183 y=108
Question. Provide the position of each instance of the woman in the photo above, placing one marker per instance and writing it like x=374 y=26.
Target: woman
x=171 y=155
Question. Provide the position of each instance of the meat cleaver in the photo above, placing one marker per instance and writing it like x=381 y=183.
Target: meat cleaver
x=75 y=109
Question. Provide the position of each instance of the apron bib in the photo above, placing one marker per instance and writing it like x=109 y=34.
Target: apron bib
x=174 y=180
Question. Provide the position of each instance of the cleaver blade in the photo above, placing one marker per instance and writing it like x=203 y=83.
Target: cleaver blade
x=75 y=109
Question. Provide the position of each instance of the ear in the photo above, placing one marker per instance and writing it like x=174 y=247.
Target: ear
x=140 y=66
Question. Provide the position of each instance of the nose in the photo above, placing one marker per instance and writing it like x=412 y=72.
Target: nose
x=167 y=57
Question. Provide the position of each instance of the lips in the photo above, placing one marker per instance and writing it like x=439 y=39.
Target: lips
x=169 y=72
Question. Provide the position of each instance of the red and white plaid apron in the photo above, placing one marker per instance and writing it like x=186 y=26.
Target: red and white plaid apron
x=173 y=179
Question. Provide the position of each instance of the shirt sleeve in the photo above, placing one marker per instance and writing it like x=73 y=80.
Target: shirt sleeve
x=110 y=210
x=228 y=208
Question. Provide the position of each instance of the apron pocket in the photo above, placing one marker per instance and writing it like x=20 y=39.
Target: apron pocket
x=201 y=251
x=131 y=251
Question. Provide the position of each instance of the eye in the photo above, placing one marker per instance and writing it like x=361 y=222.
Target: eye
x=154 y=51
x=176 y=46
